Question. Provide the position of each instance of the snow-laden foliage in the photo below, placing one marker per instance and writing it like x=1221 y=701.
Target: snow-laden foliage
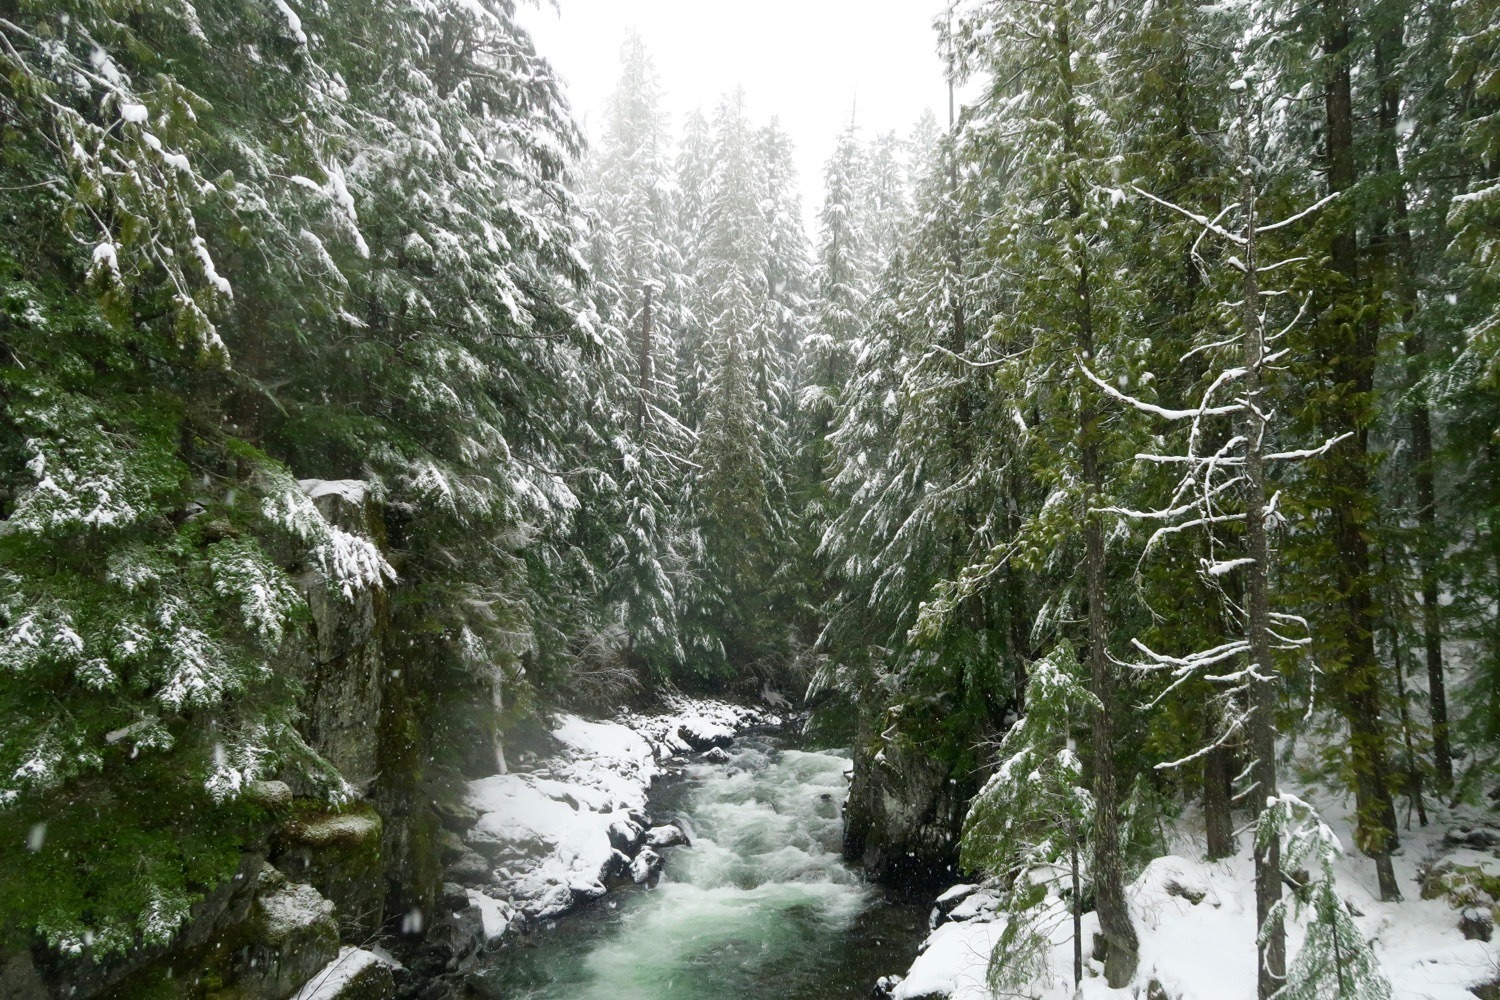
x=1335 y=961
x=1027 y=826
x=197 y=308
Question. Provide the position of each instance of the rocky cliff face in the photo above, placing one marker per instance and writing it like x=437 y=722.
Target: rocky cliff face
x=904 y=814
x=343 y=670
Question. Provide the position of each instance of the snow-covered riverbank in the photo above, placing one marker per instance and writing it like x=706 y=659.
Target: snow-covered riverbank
x=561 y=829
x=1196 y=922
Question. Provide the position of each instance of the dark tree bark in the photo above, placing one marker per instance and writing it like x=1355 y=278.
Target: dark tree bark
x=1351 y=349
x=1218 y=818
x=1400 y=256
x=1271 y=948
x=1123 y=946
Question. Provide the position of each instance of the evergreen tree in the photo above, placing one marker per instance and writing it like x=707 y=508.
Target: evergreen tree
x=1044 y=67
x=637 y=281
x=1032 y=817
x=732 y=495
x=1335 y=962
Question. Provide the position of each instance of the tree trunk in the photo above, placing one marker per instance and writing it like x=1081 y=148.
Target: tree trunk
x=1077 y=920
x=1271 y=948
x=1218 y=818
x=1016 y=613
x=1390 y=51
x=1122 y=953
x=1352 y=348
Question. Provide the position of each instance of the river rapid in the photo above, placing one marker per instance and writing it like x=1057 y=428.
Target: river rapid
x=760 y=906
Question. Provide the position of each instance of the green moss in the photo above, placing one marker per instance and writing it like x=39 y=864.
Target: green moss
x=1463 y=885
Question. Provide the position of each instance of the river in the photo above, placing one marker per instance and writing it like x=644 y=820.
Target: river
x=760 y=906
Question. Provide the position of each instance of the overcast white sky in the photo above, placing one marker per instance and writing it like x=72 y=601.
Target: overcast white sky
x=809 y=62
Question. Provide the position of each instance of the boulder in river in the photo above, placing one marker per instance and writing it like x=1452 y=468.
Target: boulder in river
x=702 y=735
x=647 y=866
x=670 y=835
x=903 y=815
x=616 y=871
x=716 y=755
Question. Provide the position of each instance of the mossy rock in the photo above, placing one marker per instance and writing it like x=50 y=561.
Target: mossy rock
x=339 y=854
x=292 y=935
x=1462 y=885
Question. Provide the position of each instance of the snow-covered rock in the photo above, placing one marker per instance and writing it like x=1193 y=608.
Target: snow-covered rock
x=703 y=734
x=626 y=835
x=496 y=915
x=355 y=974
x=293 y=934
x=670 y=835
x=646 y=867
x=954 y=963
x=975 y=906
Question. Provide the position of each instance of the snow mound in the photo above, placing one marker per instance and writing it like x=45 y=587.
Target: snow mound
x=954 y=963
x=1196 y=922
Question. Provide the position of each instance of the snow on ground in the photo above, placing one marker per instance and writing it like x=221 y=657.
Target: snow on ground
x=1205 y=950
x=548 y=829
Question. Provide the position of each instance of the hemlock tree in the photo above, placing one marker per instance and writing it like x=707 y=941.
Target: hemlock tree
x=1224 y=483
x=1048 y=121
x=1320 y=47
x=638 y=281
x=1335 y=961
x=377 y=288
x=825 y=356
x=1033 y=815
x=147 y=545
x=732 y=494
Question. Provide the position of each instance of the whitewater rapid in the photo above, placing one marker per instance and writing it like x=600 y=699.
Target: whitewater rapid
x=761 y=904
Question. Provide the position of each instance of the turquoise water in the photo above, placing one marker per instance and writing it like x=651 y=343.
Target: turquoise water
x=760 y=906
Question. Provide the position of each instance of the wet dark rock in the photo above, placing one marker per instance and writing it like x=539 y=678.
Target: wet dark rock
x=616 y=872
x=903 y=816
x=19 y=978
x=471 y=868
x=587 y=892
x=885 y=987
x=716 y=755
x=343 y=675
x=339 y=854
x=450 y=846
x=457 y=815
x=293 y=936
x=1481 y=838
